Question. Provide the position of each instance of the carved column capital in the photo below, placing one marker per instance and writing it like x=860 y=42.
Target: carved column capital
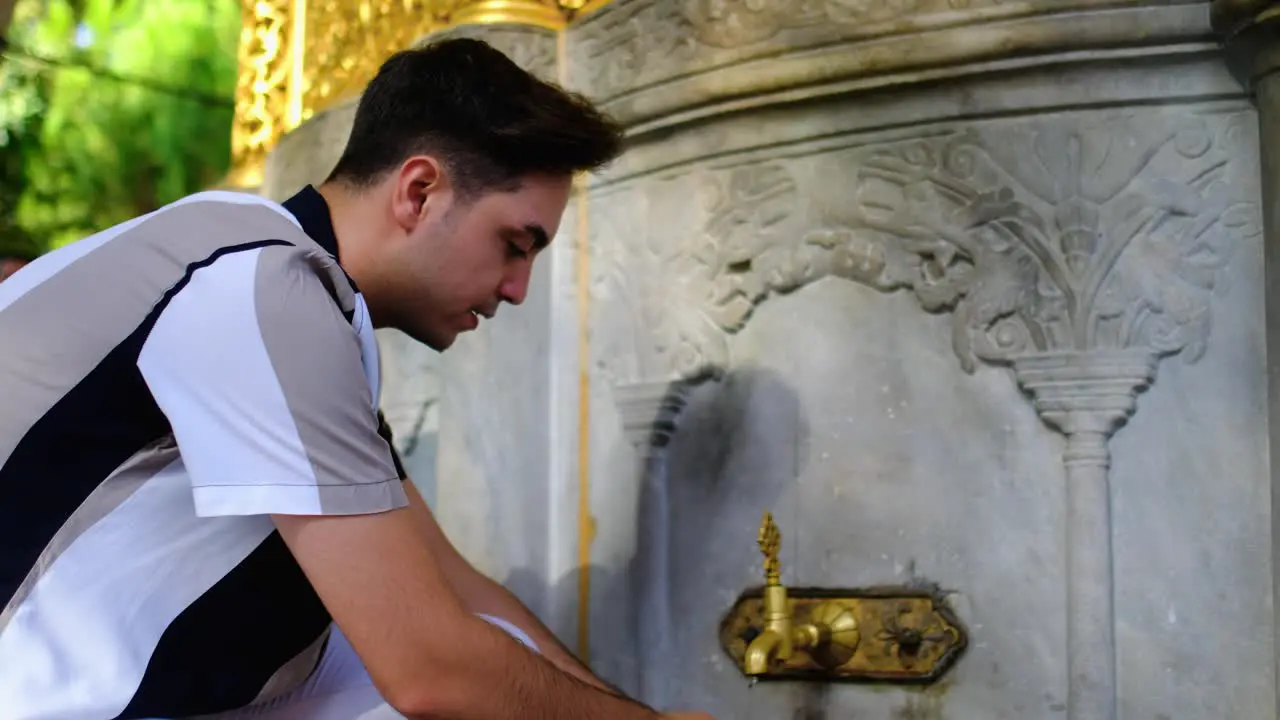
x=1251 y=34
x=1086 y=391
x=649 y=411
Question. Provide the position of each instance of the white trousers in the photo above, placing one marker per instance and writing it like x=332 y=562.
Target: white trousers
x=340 y=687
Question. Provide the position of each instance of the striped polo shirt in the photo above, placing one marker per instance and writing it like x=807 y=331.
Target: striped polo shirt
x=165 y=386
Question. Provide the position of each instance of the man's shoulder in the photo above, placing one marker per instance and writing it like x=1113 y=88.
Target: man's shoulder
x=218 y=223
x=233 y=214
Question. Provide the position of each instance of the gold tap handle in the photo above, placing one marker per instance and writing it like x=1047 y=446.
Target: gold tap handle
x=770 y=541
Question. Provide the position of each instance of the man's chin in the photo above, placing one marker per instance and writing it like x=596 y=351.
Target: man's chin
x=438 y=341
x=440 y=344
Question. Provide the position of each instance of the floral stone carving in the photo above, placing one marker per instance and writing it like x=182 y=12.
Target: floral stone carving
x=1054 y=238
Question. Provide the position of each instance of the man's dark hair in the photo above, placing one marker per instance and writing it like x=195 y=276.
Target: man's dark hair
x=488 y=120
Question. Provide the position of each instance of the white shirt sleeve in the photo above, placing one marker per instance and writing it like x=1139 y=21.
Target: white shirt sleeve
x=262 y=379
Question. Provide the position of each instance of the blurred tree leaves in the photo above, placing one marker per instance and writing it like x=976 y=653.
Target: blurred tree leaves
x=110 y=109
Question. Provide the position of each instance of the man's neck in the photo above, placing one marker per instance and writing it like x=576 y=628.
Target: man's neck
x=356 y=226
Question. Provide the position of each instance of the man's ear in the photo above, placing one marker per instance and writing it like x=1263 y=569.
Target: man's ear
x=420 y=186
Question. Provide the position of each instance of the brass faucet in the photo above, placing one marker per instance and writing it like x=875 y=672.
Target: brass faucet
x=830 y=636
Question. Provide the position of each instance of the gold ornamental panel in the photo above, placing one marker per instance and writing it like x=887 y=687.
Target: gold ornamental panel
x=266 y=103
x=347 y=40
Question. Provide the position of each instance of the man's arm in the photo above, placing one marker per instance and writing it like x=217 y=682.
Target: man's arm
x=480 y=594
x=427 y=654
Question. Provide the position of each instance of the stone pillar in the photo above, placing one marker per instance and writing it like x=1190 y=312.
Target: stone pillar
x=649 y=413
x=505 y=495
x=1251 y=31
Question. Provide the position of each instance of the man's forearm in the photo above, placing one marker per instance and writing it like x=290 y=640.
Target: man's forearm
x=493 y=676
x=483 y=595
x=427 y=654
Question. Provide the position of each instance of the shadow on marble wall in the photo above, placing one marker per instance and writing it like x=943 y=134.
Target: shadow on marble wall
x=724 y=445
x=734 y=443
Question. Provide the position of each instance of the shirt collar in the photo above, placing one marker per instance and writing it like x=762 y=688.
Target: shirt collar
x=312 y=212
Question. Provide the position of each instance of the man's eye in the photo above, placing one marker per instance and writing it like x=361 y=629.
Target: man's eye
x=516 y=251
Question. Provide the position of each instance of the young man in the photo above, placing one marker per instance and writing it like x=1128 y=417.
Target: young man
x=200 y=509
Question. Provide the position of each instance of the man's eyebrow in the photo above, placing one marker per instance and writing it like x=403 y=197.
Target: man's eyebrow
x=539 y=235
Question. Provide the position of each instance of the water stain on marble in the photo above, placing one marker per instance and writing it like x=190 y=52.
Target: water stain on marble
x=813 y=704
x=920 y=707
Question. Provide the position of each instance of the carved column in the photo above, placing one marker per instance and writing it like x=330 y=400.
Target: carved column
x=1087 y=395
x=649 y=411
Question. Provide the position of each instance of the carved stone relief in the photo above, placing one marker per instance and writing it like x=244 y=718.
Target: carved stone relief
x=636 y=42
x=1077 y=250
x=1066 y=235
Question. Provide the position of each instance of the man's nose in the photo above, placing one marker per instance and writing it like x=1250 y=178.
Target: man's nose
x=515 y=286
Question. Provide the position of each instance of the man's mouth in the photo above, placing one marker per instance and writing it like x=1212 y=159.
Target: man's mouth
x=477 y=315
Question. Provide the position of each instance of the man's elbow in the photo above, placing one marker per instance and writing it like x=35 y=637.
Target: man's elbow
x=418 y=703
x=440 y=698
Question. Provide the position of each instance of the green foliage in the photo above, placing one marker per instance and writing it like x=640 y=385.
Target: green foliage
x=83 y=142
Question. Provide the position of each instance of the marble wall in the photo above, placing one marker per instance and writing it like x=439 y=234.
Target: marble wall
x=893 y=453
x=969 y=294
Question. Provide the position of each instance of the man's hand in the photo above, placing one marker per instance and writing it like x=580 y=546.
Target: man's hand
x=427 y=654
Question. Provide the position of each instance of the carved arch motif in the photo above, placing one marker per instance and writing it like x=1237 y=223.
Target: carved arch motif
x=1056 y=236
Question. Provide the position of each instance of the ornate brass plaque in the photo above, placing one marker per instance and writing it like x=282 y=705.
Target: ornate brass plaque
x=902 y=635
x=898 y=635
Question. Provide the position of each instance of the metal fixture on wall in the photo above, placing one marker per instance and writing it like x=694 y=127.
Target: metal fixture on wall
x=897 y=635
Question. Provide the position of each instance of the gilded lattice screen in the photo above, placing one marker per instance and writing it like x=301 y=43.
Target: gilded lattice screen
x=300 y=56
x=264 y=102
x=346 y=41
